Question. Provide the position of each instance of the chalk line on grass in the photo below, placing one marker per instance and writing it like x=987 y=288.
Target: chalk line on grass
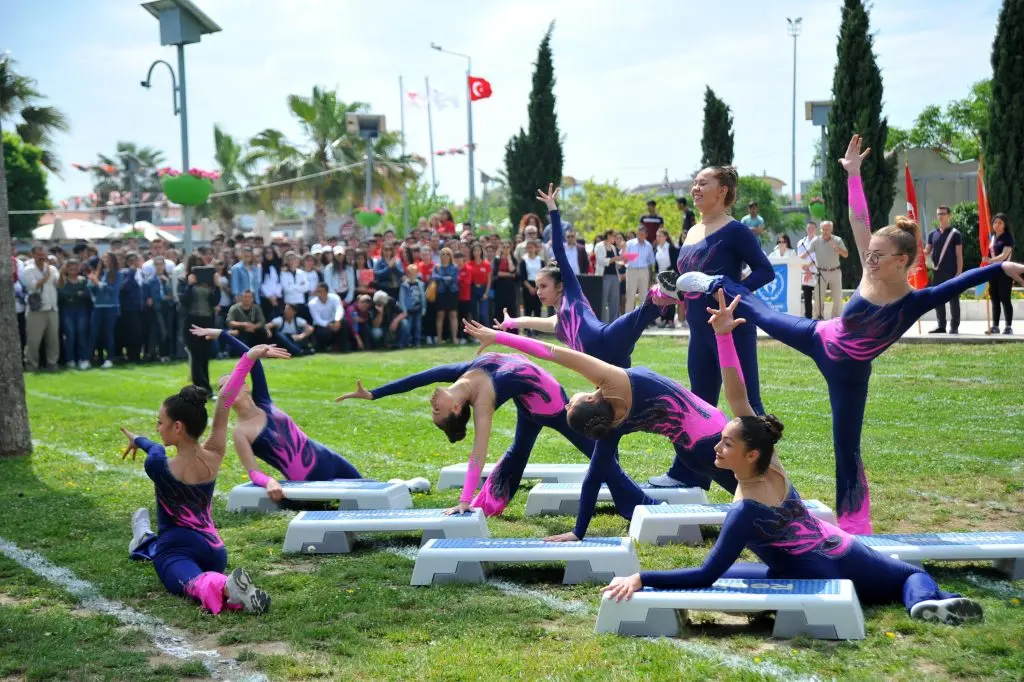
x=1002 y=588
x=164 y=638
x=95 y=406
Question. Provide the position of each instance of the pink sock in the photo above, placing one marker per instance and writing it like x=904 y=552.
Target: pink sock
x=208 y=589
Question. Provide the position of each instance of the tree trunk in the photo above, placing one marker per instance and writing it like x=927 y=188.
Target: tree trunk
x=320 y=216
x=15 y=437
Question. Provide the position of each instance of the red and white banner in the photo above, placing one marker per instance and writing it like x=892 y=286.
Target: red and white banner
x=479 y=88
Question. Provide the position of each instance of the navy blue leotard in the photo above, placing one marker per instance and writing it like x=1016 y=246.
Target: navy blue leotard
x=843 y=349
x=660 y=406
x=540 y=402
x=577 y=325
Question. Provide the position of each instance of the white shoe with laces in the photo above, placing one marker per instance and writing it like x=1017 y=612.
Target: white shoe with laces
x=84 y=365
x=242 y=591
x=107 y=364
x=140 y=528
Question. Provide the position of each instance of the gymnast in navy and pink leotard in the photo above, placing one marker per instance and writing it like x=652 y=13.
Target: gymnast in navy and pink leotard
x=844 y=347
x=769 y=518
x=485 y=384
x=575 y=323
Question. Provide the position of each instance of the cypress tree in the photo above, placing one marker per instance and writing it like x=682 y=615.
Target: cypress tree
x=857 y=108
x=1003 y=145
x=535 y=159
x=716 y=144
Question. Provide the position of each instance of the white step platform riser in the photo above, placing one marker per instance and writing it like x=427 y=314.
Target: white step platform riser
x=668 y=524
x=1004 y=550
x=336 y=532
x=593 y=560
x=563 y=499
x=453 y=476
x=349 y=494
x=831 y=611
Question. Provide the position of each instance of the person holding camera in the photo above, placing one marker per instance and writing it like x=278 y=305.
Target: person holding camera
x=41 y=320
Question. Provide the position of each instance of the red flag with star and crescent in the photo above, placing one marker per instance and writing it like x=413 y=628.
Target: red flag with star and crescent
x=479 y=88
x=918 y=276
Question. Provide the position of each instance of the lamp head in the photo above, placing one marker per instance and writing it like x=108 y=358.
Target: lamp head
x=435 y=46
x=144 y=83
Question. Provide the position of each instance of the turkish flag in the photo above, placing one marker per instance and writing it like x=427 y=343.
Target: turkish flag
x=479 y=88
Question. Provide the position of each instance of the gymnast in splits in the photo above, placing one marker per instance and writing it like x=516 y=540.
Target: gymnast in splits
x=627 y=401
x=769 y=518
x=575 y=323
x=266 y=432
x=186 y=551
x=478 y=389
x=882 y=308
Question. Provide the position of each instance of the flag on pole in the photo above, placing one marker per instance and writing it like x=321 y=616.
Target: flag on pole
x=479 y=88
x=417 y=99
x=918 y=276
x=984 y=214
x=443 y=99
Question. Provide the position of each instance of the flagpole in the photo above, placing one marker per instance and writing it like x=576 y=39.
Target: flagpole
x=430 y=130
x=469 y=118
x=405 y=189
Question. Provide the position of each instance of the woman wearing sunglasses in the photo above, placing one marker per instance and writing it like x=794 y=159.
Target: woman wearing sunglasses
x=877 y=315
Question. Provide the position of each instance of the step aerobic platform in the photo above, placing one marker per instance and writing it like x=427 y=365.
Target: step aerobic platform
x=334 y=532
x=1004 y=550
x=823 y=609
x=662 y=524
x=354 y=493
x=564 y=498
x=589 y=560
x=454 y=475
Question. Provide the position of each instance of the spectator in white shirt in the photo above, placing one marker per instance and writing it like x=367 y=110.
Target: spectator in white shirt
x=291 y=331
x=638 y=269
x=326 y=310
x=606 y=264
x=341 y=277
x=41 y=320
x=295 y=285
x=157 y=247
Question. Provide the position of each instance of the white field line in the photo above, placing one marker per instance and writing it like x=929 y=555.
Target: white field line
x=164 y=638
x=1003 y=589
x=95 y=406
x=581 y=608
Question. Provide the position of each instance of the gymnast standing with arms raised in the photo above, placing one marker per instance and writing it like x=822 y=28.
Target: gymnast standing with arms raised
x=627 y=401
x=478 y=388
x=718 y=245
x=575 y=323
x=769 y=518
x=882 y=308
x=186 y=551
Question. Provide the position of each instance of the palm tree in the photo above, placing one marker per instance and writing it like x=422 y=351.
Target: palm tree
x=327 y=146
x=235 y=166
x=279 y=162
x=116 y=173
x=19 y=98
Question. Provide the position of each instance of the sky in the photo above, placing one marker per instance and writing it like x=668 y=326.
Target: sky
x=630 y=75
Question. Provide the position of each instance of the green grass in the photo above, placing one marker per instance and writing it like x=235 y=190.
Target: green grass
x=941 y=446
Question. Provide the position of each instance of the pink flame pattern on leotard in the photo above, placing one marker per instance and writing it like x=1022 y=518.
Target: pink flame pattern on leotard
x=567 y=327
x=283 y=445
x=864 y=334
x=189 y=514
x=793 y=529
x=681 y=417
x=533 y=389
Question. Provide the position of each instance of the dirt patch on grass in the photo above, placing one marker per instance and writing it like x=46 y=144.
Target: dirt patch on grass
x=298 y=567
x=8 y=600
x=931 y=670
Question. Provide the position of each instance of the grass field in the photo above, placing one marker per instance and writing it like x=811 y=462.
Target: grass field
x=942 y=446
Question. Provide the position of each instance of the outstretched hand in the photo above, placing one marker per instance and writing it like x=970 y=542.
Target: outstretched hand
x=267 y=350
x=484 y=335
x=132 y=449
x=1015 y=271
x=549 y=198
x=202 y=332
x=853 y=158
x=360 y=394
x=504 y=324
x=722 y=320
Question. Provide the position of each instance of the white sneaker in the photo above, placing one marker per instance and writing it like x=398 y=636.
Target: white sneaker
x=397 y=480
x=418 y=485
x=242 y=591
x=955 y=611
x=84 y=365
x=107 y=364
x=695 y=281
x=71 y=365
x=664 y=481
x=140 y=528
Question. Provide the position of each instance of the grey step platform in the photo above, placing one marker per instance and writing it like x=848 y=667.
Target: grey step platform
x=823 y=609
x=454 y=475
x=564 y=498
x=356 y=493
x=1004 y=550
x=589 y=560
x=334 y=532
x=662 y=524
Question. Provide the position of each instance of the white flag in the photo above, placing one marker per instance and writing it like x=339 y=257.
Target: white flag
x=442 y=100
x=417 y=99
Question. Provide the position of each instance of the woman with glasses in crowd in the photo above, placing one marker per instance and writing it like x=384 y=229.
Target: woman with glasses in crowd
x=783 y=248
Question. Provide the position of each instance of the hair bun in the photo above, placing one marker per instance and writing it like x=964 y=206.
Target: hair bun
x=774 y=427
x=907 y=225
x=195 y=395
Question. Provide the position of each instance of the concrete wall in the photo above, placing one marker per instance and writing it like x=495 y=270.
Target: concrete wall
x=950 y=187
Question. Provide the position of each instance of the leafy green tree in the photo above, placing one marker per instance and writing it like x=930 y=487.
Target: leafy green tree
x=235 y=166
x=857 y=108
x=19 y=99
x=115 y=172
x=957 y=132
x=964 y=217
x=1004 y=163
x=755 y=189
x=603 y=206
x=717 y=143
x=26 y=183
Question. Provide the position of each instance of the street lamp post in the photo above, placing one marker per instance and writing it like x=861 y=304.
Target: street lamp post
x=469 y=118
x=181 y=24
x=795 y=26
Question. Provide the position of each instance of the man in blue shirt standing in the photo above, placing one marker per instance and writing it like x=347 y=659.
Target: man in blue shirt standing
x=638 y=269
x=246 y=276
